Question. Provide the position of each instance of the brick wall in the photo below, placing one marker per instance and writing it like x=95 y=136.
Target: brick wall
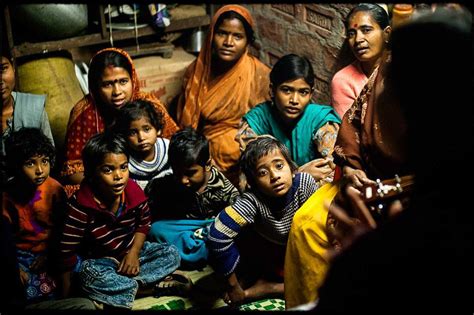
x=313 y=30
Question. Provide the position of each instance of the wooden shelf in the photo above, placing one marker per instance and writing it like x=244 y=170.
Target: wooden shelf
x=27 y=48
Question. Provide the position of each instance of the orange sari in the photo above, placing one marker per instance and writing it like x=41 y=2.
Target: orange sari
x=216 y=107
x=86 y=120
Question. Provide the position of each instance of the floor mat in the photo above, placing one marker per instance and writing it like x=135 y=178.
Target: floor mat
x=207 y=296
x=264 y=305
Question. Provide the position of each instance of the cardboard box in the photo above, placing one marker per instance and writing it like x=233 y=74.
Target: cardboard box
x=163 y=77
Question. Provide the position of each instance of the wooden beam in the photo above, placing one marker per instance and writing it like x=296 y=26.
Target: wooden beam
x=97 y=38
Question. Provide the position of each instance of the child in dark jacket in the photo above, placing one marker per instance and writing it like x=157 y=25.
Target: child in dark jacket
x=185 y=204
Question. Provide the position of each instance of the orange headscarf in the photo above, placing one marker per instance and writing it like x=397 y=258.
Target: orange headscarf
x=216 y=108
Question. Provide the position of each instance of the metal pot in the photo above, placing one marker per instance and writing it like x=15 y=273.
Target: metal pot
x=195 y=41
x=43 y=22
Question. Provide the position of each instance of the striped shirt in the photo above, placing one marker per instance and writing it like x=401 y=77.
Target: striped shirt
x=143 y=171
x=271 y=219
x=97 y=232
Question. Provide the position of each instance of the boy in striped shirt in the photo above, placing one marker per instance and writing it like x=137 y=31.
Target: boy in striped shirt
x=254 y=268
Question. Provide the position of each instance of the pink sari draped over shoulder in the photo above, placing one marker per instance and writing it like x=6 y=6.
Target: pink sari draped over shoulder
x=216 y=107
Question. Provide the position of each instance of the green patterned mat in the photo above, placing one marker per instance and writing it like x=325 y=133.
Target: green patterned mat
x=208 y=297
x=264 y=305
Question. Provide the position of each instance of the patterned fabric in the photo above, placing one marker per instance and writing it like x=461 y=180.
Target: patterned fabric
x=346 y=86
x=101 y=282
x=171 y=200
x=271 y=219
x=143 y=171
x=87 y=119
x=32 y=216
x=40 y=286
x=264 y=119
x=216 y=105
x=366 y=139
x=103 y=232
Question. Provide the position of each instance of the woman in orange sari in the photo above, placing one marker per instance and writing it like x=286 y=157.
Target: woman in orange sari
x=112 y=82
x=222 y=84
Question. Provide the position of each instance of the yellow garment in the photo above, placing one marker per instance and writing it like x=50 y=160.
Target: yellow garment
x=306 y=261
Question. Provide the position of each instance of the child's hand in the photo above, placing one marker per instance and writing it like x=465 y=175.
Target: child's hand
x=39 y=264
x=129 y=266
x=23 y=277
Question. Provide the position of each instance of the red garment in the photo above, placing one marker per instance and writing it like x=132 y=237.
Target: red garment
x=86 y=120
x=31 y=216
x=105 y=233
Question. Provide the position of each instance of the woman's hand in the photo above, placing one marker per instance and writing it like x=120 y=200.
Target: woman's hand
x=348 y=228
x=356 y=177
x=318 y=168
x=130 y=265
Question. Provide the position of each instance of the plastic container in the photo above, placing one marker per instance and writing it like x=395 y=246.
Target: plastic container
x=401 y=13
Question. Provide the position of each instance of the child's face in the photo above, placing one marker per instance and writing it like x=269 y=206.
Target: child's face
x=111 y=175
x=194 y=177
x=36 y=169
x=142 y=137
x=115 y=87
x=273 y=175
x=291 y=98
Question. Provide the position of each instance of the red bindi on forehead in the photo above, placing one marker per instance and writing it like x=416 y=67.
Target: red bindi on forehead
x=354 y=26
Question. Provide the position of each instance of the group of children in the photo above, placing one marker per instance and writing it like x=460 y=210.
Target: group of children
x=146 y=207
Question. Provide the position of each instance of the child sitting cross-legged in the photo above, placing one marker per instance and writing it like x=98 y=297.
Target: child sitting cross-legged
x=31 y=203
x=107 y=222
x=184 y=204
x=251 y=260
x=141 y=125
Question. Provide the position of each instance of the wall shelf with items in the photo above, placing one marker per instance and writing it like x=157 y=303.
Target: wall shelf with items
x=102 y=37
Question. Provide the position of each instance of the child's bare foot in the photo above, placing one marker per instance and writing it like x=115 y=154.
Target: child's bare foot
x=263 y=288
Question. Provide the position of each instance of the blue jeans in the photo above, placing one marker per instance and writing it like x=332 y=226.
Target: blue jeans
x=100 y=280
